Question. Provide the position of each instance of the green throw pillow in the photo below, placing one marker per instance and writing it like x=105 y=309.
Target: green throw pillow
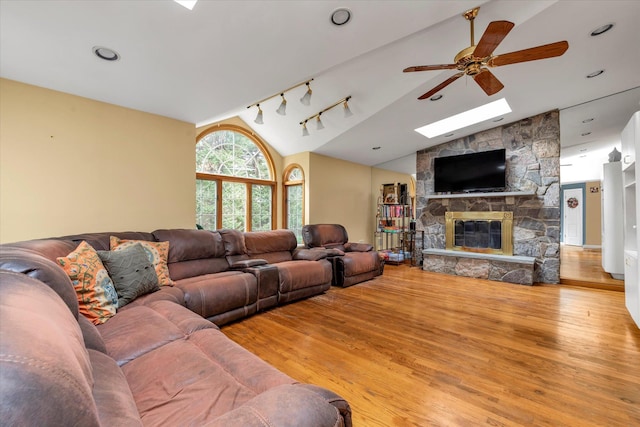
x=131 y=272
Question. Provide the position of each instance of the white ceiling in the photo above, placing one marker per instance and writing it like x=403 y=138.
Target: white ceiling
x=208 y=64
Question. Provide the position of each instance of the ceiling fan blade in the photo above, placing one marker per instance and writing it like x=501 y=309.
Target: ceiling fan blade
x=488 y=82
x=430 y=67
x=532 y=54
x=442 y=85
x=493 y=35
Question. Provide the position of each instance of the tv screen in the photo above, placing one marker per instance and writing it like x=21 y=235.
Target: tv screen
x=470 y=172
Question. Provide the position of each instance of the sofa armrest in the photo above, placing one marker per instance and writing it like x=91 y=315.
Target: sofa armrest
x=309 y=254
x=290 y=404
x=241 y=264
x=358 y=247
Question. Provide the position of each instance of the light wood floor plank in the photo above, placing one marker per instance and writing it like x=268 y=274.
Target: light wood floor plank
x=413 y=348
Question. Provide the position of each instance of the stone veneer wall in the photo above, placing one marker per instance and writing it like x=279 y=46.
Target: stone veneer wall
x=533 y=164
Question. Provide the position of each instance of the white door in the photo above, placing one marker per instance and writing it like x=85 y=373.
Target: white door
x=572 y=199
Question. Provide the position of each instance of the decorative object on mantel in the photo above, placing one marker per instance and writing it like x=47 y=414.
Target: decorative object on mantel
x=347 y=113
x=615 y=155
x=572 y=202
x=282 y=109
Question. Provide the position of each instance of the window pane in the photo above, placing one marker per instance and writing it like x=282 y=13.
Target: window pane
x=231 y=153
x=206 y=204
x=260 y=207
x=295 y=175
x=234 y=207
x=294 y=210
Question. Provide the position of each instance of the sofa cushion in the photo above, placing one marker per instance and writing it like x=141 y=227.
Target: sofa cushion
x=193 y=252
x=132 y=273
x=95 y=291
x=45 y=371
x=157 y=253
x=295 y=275
x=325 y=235
x=274 y=246
x=204 y=364
x=139 y=330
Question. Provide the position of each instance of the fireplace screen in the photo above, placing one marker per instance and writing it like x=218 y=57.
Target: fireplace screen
x=487 y=232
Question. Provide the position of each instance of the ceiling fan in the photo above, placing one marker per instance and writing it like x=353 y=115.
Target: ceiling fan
x=474 y=59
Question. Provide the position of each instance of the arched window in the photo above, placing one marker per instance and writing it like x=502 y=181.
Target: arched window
x=293 y=182
x=234 y=181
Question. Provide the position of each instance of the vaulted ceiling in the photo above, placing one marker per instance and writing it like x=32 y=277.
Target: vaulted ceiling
x=210 y=63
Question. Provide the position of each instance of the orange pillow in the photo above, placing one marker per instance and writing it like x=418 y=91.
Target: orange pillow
x=157 y=253
x=96 y=294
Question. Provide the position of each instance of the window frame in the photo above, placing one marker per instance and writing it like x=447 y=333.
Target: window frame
x=218 y=179
x=287 y=183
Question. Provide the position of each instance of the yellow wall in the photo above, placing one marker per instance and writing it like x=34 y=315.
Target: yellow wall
x=301 y=159
x=72 y=165
x=593 y=220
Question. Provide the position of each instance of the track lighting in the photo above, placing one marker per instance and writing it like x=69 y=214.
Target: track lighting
x=258 y=119
x=282 y=109
x=319 y=124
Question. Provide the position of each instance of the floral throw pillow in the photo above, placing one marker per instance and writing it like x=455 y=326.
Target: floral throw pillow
x=95 y=291
x=157 y=253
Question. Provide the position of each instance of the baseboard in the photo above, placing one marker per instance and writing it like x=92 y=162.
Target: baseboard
x=592 y=246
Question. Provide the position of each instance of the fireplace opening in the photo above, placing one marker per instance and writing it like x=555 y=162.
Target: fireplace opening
x=487 y=232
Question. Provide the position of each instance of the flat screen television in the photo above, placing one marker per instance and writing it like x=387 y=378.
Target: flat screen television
x=483 y=171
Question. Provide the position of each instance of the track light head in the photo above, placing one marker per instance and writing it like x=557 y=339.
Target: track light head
x=282 y=109
x=305 y=131
x=306 y=99
x=319 y=125
x=347 y=110
x=258 y=119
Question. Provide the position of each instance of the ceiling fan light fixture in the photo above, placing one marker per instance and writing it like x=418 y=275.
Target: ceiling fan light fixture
x=601 y=30
x=466 y=118
x=258 y=119
x=282 y=109
x=306 y=98
x=595 y=74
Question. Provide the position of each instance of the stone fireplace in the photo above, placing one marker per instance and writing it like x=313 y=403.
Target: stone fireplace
x=525 y=216
x=481 y=232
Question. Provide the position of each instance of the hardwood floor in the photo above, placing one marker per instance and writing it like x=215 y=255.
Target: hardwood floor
x=413 y=348
x=583 y=267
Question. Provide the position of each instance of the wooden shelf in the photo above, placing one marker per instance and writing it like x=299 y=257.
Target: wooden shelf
x=474 y=195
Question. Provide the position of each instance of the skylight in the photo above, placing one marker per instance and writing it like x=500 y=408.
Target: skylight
x=189 y=4
x=464 y=119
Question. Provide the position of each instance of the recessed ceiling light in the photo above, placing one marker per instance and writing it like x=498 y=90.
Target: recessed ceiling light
x=585 y=134
x=340 y=16
x=467 y=118
x=601 y=30
x=587 y=120
x=106 y=53
x=376 y=148
x=595 y=74
x=435 y=98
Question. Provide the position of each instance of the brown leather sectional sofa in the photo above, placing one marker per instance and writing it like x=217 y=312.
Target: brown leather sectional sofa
x=161 y=360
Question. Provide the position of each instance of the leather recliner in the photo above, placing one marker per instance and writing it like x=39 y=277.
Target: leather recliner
x=352 y=262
